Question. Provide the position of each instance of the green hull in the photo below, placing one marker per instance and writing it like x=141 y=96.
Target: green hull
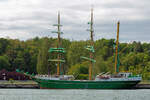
x=61 y=84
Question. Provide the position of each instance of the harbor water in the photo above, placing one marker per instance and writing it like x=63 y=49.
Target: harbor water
x=61 y=94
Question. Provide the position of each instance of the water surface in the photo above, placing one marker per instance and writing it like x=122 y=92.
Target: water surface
x=60 y=94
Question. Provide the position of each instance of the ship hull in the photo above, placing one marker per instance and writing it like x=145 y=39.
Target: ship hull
x=61 y=84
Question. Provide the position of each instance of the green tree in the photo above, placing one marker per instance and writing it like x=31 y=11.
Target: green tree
x=80 y=71
x=4 y=63
x=76 y=50
x=43 y=56
x=3 y=45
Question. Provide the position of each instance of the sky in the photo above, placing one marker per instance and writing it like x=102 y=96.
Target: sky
x=26 y=19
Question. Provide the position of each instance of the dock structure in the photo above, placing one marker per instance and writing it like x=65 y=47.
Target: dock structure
x=26 y=84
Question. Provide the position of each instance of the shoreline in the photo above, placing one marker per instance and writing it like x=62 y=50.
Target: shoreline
x=29 y=84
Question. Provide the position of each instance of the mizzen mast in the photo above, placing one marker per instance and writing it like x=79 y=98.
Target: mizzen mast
x=117 y=63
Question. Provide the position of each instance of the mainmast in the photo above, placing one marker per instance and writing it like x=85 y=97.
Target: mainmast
x=90 y=47
x=117 y=54
x=59 y=50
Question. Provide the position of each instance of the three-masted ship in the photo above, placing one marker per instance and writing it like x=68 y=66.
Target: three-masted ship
x=119 y=80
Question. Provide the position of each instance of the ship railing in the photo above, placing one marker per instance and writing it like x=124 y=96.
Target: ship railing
x=67 y=77
x=55 y=77
x=39 y=75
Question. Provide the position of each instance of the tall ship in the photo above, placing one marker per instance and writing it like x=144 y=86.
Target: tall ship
x=119 y=80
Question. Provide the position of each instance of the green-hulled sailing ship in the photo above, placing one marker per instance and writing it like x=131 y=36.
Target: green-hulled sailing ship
x=119 y=80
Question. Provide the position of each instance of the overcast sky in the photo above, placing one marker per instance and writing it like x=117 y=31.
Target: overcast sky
x=25 y=19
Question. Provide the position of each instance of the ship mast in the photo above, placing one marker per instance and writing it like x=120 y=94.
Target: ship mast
x=58 y=45
x=117 y=55
x=59 y=50
x=90 y=47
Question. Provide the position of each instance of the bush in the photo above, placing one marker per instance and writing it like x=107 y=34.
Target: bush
x=82 y=76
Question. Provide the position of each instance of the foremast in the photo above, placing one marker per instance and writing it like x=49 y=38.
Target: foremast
x=117 y=62
x=90 y=47
x=59 y=50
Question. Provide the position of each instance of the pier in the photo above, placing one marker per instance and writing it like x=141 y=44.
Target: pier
x=142 y=86
x=19 y=84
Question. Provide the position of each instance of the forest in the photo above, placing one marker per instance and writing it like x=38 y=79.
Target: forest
x=32 y=56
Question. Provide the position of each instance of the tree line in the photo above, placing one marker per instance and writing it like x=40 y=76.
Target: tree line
x=32 y=56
